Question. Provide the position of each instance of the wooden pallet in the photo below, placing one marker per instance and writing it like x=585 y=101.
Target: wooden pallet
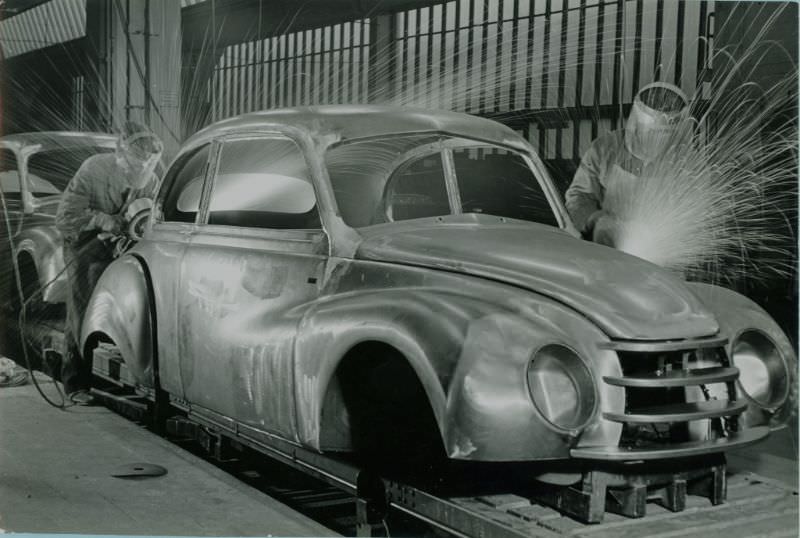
x=755 y=507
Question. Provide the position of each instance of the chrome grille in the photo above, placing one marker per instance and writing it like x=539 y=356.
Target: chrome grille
x=669 y=385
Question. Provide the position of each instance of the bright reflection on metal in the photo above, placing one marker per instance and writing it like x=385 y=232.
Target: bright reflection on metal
x=562 y=387
x=262 y=192
x=763 y=374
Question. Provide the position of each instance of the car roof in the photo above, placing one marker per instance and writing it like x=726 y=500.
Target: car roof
x=57 y=139
x=349 y=122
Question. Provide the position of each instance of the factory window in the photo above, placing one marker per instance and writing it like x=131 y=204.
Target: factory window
x=184 y=186
x=263 y=183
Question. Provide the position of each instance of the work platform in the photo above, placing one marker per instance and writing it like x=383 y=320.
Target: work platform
x=55 y=477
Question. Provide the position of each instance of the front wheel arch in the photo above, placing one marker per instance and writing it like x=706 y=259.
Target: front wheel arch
x=376 y=401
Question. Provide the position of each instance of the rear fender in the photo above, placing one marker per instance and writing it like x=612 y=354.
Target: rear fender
x=120 y=309
x=44 y=245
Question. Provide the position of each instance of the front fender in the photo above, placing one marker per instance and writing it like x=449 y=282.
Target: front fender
x=44 y=245
x=470 y=352
x=735 y=314
x=336 y=325
x=120 y=309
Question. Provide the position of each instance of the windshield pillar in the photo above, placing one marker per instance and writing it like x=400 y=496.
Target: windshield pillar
x=451 y=182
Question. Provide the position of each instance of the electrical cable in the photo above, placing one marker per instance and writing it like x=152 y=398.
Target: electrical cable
x=22 y=319
x=145 y=83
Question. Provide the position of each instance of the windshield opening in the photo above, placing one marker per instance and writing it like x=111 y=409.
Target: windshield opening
x=405 y=177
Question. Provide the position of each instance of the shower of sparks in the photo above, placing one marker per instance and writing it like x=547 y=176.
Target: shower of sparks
x=721 y=207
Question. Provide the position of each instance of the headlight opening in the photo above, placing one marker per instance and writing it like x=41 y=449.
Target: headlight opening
x=562 y=387
x=763 y=372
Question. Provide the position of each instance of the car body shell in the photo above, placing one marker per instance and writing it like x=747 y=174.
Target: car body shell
x=250 y=326
x=33 y=218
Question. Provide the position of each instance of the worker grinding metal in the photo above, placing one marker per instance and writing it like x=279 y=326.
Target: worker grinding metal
x=92 y=205
x=610 y=168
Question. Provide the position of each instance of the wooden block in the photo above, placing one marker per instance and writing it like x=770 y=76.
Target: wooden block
x=504 y=502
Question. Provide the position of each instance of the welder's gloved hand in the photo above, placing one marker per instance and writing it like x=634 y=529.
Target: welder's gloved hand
x=108 y=223
x=604 y=228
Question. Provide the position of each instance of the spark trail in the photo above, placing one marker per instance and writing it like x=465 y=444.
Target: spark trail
x=721 y=207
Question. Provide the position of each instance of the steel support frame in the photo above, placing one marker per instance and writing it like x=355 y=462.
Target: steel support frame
x=627 y=493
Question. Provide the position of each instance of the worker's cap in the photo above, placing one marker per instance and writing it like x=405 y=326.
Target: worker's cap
x=140 y=140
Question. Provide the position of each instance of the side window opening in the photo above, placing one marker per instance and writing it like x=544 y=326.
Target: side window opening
x=263 y=183
x=184 y=186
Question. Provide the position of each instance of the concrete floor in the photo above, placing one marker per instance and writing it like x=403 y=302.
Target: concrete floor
x=55 y=478
x=774 y=458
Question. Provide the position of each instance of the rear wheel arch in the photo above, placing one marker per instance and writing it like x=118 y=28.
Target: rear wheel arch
x=28 y=272
x=92 y=341
x=130 y=325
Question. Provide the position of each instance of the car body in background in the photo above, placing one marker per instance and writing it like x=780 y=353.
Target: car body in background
x=35 y=168
x=383 y=279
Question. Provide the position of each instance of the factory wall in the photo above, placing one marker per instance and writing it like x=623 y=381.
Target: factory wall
x=560 y=71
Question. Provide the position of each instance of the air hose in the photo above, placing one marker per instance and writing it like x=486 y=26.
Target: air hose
x=22 y=319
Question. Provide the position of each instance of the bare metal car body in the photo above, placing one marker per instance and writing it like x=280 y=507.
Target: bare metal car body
x=248 y=327
x=33 y=199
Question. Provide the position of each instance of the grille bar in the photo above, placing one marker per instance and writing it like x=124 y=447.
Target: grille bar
x=682 y=412
x=663 y=346
x=674 y=450
x=676 y=378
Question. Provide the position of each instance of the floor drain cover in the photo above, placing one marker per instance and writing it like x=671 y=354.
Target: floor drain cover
x=130 y=470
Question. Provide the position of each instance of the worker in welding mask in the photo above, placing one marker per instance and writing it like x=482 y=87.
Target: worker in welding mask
x=655 y=130
x=92 y=207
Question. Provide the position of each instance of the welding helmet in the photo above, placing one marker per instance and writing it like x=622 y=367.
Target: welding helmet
x=139 y=151
x=657 y=121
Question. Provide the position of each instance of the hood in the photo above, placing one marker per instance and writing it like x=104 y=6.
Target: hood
x=625 y=296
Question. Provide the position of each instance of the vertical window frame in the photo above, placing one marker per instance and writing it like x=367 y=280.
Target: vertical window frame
x=165 y=190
